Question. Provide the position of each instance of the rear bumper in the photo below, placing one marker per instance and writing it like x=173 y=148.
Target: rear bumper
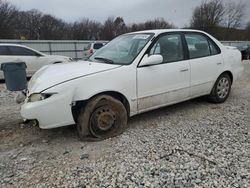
x=50 y=113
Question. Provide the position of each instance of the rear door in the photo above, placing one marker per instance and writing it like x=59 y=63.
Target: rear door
x=206 y=63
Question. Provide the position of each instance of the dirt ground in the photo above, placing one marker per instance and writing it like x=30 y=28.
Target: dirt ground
x=194 y=131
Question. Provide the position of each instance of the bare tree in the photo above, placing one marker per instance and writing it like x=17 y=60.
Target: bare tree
x=86 y=30
x=119 y=26
x=158 y=23
x=234 y=13
x=208 y=15
x=80 y=29
x=135 y=27
x=8 y=20
x=52 y=28
x=221 y=18
x=29 y=23
x=94 y=30
x=108 y=29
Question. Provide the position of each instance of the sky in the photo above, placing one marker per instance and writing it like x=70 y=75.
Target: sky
x=177 y=12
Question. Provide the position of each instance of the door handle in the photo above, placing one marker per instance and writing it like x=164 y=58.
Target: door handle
x=184 y=69
x=219 y=63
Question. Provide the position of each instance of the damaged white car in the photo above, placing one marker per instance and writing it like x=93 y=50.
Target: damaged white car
x=134 y=73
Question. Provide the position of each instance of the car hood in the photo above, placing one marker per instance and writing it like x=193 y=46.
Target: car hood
x=52 y=75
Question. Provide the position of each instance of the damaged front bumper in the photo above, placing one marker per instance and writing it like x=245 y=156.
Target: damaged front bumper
x=52 y=112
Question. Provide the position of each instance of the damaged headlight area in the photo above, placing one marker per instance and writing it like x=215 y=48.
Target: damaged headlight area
x=39 y=96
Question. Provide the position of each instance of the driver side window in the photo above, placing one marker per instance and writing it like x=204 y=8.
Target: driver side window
x=170 y=47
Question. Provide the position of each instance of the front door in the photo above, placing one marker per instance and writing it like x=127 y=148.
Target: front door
x=165 y=83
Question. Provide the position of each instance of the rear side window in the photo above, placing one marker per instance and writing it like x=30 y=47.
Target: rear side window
x=213 y=48
x=19 y=51
x=97 y=46
x=198 y=45
x=4 y=50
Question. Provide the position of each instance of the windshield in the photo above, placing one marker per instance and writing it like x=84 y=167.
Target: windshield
x=123 y=49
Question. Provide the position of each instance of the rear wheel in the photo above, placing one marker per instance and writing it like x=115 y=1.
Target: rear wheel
x=221 y=89
x=103 y=117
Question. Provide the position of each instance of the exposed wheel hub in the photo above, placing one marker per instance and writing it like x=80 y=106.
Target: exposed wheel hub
x=104 y=118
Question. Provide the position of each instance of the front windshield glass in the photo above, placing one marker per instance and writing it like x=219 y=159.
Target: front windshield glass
x=122 y=50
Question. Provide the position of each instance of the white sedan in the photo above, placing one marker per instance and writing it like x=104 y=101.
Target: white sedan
x=33 y=59
x=134 y=73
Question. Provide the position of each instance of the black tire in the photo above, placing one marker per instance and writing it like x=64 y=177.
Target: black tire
x=103 y=117
x=221 y=89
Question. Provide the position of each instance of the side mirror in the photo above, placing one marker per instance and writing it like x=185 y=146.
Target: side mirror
x=151 y=60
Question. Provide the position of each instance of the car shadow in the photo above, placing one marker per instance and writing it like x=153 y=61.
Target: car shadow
x=68 y=134
x=70 y=131
x=168 y=110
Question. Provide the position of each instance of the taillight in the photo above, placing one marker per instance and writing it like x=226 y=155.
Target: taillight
x=91 y=51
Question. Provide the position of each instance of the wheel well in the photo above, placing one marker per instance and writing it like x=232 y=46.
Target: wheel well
x=80 y=104
x=229 y=74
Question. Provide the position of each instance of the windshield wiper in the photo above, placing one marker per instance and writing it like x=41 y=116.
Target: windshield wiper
x=105 y=60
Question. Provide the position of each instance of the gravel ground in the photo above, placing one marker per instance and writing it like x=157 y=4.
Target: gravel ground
x=191 y=144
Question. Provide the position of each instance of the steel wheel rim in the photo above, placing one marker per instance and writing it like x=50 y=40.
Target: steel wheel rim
x=103 y=121
x=223 y=88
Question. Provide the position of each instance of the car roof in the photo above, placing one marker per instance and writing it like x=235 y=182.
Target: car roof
x=19 y=45
x=9 y=44
x=157 y=32
x=160 y=31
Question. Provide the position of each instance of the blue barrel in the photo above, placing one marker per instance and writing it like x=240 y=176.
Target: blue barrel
x=15 y=76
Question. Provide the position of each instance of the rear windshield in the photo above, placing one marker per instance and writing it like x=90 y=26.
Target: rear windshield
x=97 y=46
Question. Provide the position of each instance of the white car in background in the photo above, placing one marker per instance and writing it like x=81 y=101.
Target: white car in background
x=33 y=59
x=151 y=69
x=91 y=48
